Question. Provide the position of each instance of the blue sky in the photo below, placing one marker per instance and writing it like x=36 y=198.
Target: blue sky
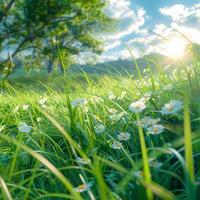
x=147 y=26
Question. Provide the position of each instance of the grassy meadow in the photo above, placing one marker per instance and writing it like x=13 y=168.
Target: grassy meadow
x=108 y=137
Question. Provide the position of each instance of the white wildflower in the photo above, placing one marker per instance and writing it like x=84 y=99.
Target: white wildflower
x=122 y=114
x=155 y=164
x=100 y=128
x=114 y=117
x=112 y=111
x=111 y=96
x=124 y=136
x=83 y=187
x=97 y=99
x=117 y=116
x=38 y=119
x=137 y=106
x=146 y=97
x=42 y=102
x=155 y=129
x=138 y=174
x=148 y=121
x=172 y=107
x=79 y=102
x=83 y=161
x=85 y=109
x=16 y=109
x=168 y=87
x=116 y=145
x=25 y=107
x=24 y=128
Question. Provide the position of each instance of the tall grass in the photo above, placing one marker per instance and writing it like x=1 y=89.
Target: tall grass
x=64 y=156
x=190 y=177
x=147 y=173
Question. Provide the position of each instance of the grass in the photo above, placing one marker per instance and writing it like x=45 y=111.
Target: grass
x=64 y=153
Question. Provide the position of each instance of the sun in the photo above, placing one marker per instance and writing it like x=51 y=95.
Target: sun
x=175 y=48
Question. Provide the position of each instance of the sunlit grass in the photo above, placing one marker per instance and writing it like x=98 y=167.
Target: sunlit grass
x=66 y=150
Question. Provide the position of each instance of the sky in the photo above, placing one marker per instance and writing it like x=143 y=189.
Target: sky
x=149 y=26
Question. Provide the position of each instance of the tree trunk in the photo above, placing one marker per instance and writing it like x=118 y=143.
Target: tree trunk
x=60 y=69
x=49 y=66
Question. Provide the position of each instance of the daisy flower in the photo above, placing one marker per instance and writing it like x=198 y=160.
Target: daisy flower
x=155 y=129
x=42 y=101
x=100 y=128
x=138 y=174
x=114 y=117
x=168 y=87
x=155 y=164
x=111 y=96
x=148 y=121
x=24 y=128
x=137 y=106
x=116 y=145
x=112 y=111
x=172 y=107
x=16 y=109
x=83 y=161
x=79 y=102
x=97 y=99
x=85 y=109
x=38 y=119
x=83 y=187
x=25 y=107
x=146 y=97
x=124 y=136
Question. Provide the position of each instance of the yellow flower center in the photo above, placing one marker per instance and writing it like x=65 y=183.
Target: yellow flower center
x=155 y=130
x=81 y=186
x=170 y=108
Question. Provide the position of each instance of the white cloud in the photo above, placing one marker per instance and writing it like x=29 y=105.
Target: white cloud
x=130 y=22
x=162 y=30
x=144 y=40
x=176 y=11
x=137 y=19
x=126 y=54
x=119 y=9
x=180 y=12
x=191 y=33
x=123 y=53
x=112 y=45
x=107 y=58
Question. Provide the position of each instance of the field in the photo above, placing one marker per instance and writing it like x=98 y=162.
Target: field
x=108 y=137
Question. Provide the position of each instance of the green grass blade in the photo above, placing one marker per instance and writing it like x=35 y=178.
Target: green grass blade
x=190 y=177
x=188 y=142
x=5 y=189
x=46 y=163
x=147 y=173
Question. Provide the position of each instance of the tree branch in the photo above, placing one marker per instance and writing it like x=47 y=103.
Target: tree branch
x=15 y=52
x=8 y=7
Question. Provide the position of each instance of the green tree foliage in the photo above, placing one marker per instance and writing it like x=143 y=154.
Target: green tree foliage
x=49 y=30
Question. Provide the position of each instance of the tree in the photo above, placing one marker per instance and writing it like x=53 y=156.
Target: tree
x=50 y=29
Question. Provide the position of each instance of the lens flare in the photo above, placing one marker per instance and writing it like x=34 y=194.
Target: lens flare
x=175 y=48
